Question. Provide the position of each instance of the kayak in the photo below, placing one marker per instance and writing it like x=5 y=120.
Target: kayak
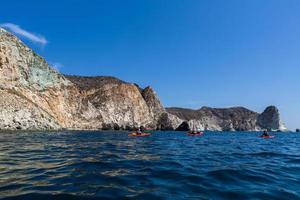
x=139 y=135
x=196 y=134
x=267 y=137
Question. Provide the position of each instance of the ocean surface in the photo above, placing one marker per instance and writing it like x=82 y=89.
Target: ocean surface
x=166 y=165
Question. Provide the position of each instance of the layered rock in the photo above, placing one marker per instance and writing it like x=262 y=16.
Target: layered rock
x=228 y=119
x=115 y=104
x=25 y=75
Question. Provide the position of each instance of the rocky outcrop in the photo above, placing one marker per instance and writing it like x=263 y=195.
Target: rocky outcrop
x=36 y=97
x=16 y=112
x=27 y=77
x=168 y=121
x=45 y=99
x=270 y=119
x=155 y=107
x=115 y=104
x=228 y=119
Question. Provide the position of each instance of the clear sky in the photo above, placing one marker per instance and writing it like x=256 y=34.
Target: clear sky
x=192 y=52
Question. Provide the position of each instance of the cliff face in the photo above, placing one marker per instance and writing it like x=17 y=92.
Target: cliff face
x=228 y=119
x=28 y=84
x=115 y=104
x=36 y=97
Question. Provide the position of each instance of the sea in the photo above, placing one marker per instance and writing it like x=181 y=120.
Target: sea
x=166 y=165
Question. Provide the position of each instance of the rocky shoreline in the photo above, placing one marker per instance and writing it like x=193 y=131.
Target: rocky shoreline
x=36 y=97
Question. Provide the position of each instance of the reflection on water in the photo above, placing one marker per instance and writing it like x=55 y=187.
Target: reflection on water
x=85 y=165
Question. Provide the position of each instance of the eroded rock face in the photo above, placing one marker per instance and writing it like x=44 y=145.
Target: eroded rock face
x=115 y=104
x=18 y=113
x=168 y=121
x=29 y=77
x=270 y=119
x=228 y=119
x=155 y=107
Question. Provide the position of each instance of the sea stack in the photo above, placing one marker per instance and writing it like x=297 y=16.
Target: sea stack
x=270 y=120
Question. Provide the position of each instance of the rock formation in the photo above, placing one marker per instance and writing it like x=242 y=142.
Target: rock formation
x=228 y=119
x=270 y=119
x=36 y=97
x=168 y=121
x=114 y=104
x=32 y=94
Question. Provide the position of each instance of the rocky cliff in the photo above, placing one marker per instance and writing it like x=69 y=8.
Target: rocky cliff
x=270 y=119
x=33 y=95
x=36 y=97
x=228 y=119
x=115 y=104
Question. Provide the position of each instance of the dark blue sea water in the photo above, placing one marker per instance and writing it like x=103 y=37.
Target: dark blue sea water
x=167 y=165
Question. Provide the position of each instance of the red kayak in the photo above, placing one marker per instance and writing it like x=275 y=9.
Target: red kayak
x=195 y=134
x=139 y=135
x=267 y=137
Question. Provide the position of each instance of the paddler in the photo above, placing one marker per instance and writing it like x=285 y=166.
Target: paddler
x=138 y=131
x=265 y=134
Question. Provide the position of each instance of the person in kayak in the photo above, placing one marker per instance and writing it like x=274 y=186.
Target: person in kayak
x=199 y=131
x=265 y=134
x=138 y=131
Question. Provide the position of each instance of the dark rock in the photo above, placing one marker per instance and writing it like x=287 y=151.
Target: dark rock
x=183 y=127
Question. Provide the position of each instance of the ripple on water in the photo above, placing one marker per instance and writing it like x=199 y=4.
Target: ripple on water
x=167 y=165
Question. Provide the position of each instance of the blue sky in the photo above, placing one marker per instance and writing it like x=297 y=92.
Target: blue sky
x=192 y=52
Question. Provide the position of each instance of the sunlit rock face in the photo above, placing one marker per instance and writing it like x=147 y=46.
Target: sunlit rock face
x=44 y=99
x=155 y=107
x=25 y=75
x=118 y=104
x=17 y=113
x=270 y=119
x=228 y=119
x=168 y=121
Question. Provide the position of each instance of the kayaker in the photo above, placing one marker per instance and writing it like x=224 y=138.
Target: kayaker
x=138 y=131
x=142 y=129
x=265 y=134
x=199 y=131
